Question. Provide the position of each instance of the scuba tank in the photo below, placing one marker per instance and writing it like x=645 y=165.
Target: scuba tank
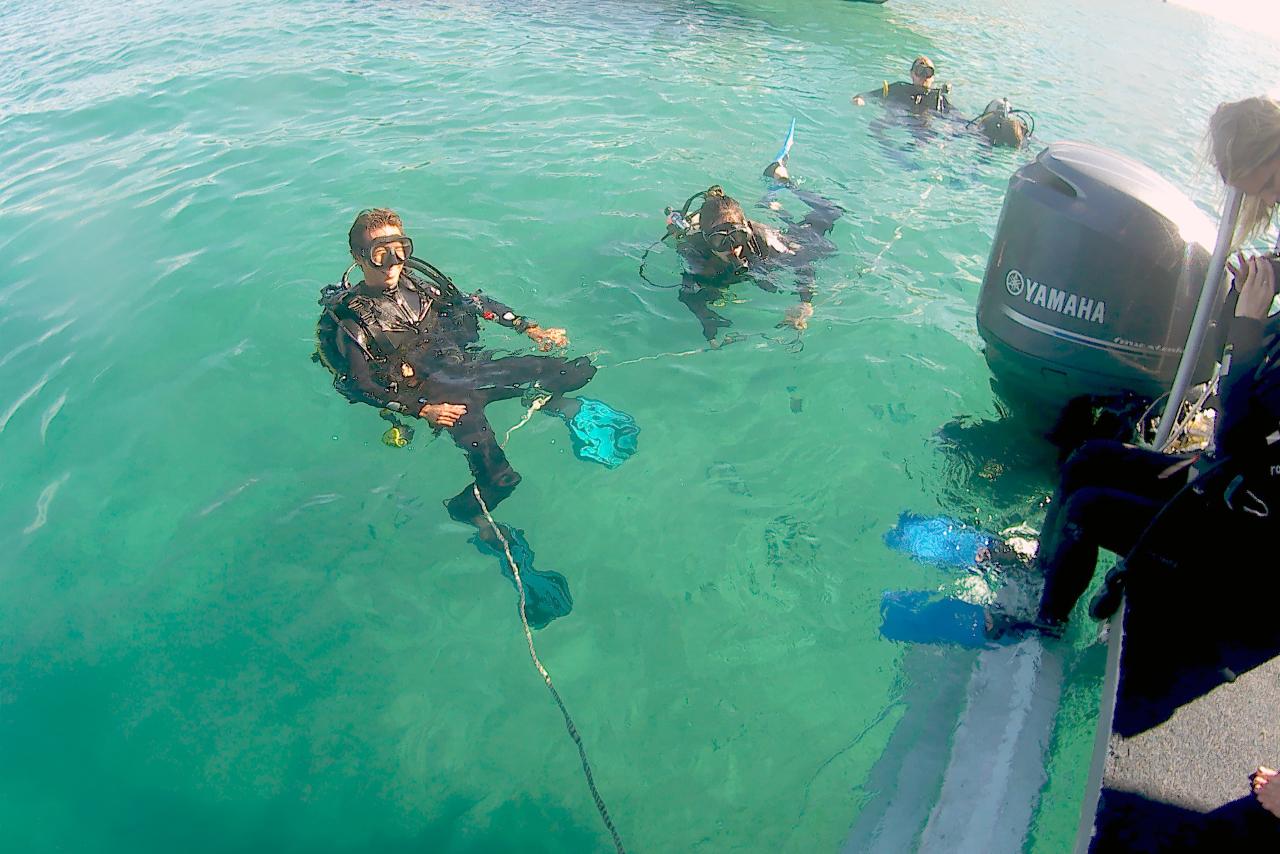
x=999 y=111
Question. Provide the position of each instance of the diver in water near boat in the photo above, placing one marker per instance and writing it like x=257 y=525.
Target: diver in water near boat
x=919 y=96
x=721 y=247
x=406 y=339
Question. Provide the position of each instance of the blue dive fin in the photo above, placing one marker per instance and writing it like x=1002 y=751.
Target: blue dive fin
x=918 y=616
x=601 y=434
x=546 y=593
x=939 y=540
x=786 y=144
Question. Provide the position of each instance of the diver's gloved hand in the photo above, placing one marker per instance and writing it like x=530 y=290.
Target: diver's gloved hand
x=546 y=593
x=1107 y=600
x=601 y=434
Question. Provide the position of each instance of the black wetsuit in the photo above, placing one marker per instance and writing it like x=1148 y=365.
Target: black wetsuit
x=797 y=247
x=1110 y=491
x=913 y=97
x=367 y=338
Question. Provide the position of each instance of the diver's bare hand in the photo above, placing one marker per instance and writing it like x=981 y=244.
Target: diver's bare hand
x=858 y=101
x=442 y=414
x=1257 y=287
x=797 y=317
x=548 y=339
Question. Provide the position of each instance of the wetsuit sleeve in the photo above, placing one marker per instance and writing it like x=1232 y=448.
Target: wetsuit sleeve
x=1236 y=390
x=362 y=382
x=881 y=91
x=823 y=212
x=696 y=299
x=804 y=283
x=491 y=309
x=820 y=220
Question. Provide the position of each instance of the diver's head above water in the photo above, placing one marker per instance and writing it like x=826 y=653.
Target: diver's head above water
x=380 y=247
x=725 y=231
x=922 y=72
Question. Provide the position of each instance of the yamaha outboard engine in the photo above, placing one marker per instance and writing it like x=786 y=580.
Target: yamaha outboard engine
x=1092 y=281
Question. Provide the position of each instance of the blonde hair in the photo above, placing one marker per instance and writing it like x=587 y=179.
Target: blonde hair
x=1244 y=136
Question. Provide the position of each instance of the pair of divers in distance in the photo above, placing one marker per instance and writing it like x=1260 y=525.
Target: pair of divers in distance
x=406 y=340
x=923 y=104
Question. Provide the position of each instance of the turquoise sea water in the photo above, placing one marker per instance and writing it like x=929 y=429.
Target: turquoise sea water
x=232 y=619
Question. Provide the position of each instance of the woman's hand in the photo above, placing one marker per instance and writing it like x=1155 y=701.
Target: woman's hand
x=548 y=339
x=1256 y=282
x=442 y=414
x=1267 y=790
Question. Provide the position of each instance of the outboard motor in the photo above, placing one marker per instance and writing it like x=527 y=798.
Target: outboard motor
x=1092 y=281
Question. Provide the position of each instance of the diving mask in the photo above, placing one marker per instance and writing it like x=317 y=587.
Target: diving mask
x=389 y=251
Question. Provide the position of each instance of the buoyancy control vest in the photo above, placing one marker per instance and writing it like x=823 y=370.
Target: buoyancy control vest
x=387 y=328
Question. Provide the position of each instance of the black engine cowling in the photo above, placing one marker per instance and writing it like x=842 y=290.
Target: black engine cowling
x=1092 y=281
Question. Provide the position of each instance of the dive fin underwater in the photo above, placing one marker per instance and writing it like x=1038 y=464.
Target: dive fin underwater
x=546 y=592
x=937 y=616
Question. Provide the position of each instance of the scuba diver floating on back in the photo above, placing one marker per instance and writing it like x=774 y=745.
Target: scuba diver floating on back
x=721 y=247
x=406 y=339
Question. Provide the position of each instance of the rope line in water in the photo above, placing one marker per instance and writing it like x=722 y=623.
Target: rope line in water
x=546 y=677
x=879 y=256
x=538 y=403
x=792 y=346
